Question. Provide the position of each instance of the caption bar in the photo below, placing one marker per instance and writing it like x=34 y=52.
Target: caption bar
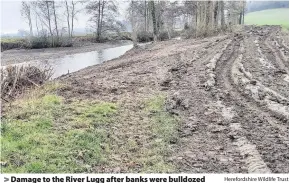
x=129 y=178
x=92 y=179
x=111 y=179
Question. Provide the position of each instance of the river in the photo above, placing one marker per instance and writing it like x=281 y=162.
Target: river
x=74 y=62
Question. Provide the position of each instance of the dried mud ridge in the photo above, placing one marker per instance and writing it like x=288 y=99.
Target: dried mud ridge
x=231 y=93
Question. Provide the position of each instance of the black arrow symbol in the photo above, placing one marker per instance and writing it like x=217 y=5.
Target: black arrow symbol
x=6 y=179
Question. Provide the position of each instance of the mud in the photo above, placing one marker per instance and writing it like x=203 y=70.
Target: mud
x=230 y=92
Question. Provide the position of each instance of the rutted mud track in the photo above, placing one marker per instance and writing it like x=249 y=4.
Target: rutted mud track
x=231 y=93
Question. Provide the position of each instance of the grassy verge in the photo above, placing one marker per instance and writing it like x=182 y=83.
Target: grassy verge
x=44 y=133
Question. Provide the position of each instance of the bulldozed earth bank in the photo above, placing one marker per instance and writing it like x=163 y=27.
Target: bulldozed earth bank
x=213 y=105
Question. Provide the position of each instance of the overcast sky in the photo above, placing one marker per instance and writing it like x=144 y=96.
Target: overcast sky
x=11 y=20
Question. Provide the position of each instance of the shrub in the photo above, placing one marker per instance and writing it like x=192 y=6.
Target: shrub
x=163 y=36
x=65 y=42
x=175 y=33
x=144 y=36
x=115 y=36
x=42 y=41
x=39 y=42
x=189 y=33
x=47 y=42
x=125 y=36
x=15 y=79
x=12 y=43
x=186 y=27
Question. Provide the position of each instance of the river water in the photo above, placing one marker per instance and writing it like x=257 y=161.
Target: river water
x=75 y=62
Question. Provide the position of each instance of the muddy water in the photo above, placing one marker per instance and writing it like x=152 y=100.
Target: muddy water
x=75 y=62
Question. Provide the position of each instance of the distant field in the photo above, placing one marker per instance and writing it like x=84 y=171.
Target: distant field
x=11 y=40
x=269 y=17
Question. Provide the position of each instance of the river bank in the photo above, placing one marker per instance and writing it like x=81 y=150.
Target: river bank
x=212 y=105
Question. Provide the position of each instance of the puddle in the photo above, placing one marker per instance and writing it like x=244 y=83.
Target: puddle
x=75 y=62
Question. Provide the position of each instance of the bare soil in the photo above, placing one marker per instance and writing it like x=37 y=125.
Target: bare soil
x=229 y=91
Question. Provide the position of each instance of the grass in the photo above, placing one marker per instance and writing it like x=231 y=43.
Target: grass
x=153 y=134
x=163 y=124
x=43 y=134
x=11 y=40
x=269 y=17
x=164 y=128
x=11 y=43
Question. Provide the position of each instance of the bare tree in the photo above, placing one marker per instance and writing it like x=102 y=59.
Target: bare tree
x=132 y=16
x=243 y=12
x=45 y=14
x=171 y=12
x=26 y=13
x=234 y=9
x=222 y=13
x=103 y=17
x=140 y=8
x=153 y=12
x=71 y=12
x=146 y=15
x=74 y=12
x=68 y=17
x=210 y=15
x=55 y=19
x=34 y=8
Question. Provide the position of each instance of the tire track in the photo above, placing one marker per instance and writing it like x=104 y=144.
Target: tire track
x=253 y=161
x=252 y=158
x=284 y=53
x=281 y=79
x=282 y=50
x=279 y=52
x=279 y=57
x=244 y=78
x=255 y=122
x=204 y=145
x=211 y=66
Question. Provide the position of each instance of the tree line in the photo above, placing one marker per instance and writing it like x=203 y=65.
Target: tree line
x=56 y=19
x=47 y=16
x=200 y=18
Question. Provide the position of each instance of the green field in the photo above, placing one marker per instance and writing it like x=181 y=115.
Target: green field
x=269 y=17
x=11 y=40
